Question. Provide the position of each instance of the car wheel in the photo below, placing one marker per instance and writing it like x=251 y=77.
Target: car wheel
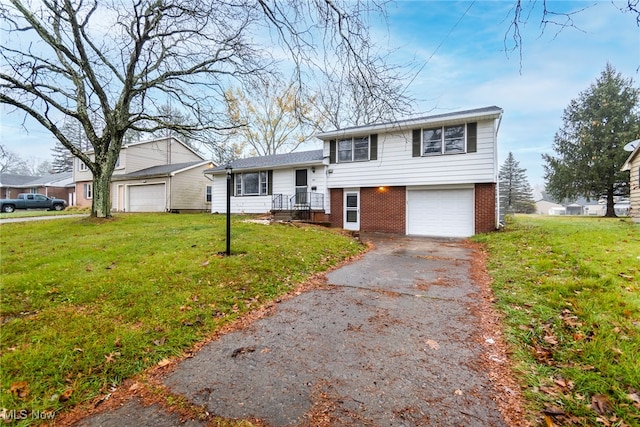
x=58 y=207
x=8 y=208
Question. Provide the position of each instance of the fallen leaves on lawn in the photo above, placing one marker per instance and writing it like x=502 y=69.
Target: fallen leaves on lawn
x=20 y=389
x=66 y=395
x=601 y=404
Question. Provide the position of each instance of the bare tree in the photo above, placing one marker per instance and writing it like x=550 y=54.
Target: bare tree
x=121 y=60
x=550 y=18
x=271 y=117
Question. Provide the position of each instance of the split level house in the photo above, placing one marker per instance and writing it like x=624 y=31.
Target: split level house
x=633 y=166
x=429 y=176
x=160 y=175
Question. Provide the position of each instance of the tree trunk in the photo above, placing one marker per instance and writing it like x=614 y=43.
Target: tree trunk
x=101 y=205
x=611 y=212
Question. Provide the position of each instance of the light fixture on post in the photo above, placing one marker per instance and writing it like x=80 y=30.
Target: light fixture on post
x=229 y=169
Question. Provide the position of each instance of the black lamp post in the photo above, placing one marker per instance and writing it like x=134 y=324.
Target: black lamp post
x=229 y=184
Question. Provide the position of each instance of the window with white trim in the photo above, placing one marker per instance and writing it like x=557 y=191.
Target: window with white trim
x=353 y=149
x=252 y=183
x=443 y=140
x=207 y=194
x=88 y=191
x=82 y=166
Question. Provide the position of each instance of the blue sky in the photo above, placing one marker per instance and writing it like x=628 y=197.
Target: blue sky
x=467 y=67
x=471 y=69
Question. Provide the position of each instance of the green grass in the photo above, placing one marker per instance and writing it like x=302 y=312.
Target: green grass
x=24 y=213
x=86 y=303
x=570 y=291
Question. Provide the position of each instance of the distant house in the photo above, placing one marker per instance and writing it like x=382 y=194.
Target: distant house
x=159 y=175
x=58 y=185
x=429 y=176
x=632 y=164
x=545 y=205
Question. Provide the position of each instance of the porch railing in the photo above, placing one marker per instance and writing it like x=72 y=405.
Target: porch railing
x=300 y=201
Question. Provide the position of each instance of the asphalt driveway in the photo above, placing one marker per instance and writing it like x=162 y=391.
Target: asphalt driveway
x=391 y=340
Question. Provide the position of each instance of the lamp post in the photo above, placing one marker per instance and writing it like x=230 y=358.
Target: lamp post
x=229 y=169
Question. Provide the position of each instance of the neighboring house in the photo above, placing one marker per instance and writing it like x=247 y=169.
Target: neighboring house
x=633 y=166
x=545 y=205
x=431 y=176
x=12 y=184
x=58 y=185
x=160 y=175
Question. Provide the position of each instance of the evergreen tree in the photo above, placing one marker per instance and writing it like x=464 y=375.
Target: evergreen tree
x=62 y=158
x=596 y=126
x=516 y=195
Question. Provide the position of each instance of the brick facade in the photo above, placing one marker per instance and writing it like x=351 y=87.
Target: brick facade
x=383 y=209
x=336 y=207
x=485 y=207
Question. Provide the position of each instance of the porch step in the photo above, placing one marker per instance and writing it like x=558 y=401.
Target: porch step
x=282 y=216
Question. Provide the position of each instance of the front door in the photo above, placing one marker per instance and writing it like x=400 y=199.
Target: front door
x=352 y=210
x=301 y=186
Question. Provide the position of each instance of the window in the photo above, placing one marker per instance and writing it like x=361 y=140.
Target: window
x=353 y=149
x=443 y=140
x=88 y=191
x=252 y=183
x=119 y=163
x=40 y=198
x=81 y=166
x=207 y=194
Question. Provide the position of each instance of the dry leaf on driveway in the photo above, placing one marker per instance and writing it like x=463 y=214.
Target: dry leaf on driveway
x=433 y=345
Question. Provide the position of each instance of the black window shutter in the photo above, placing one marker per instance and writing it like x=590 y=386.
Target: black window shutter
x=373 y=148
x=472 y=137
x=269 y=182
x=416 y=143
x=332 y=151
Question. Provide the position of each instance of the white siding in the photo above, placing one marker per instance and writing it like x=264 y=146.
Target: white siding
x=396 y=166
x=634 y=180
x=188 y=190
x=283 y=183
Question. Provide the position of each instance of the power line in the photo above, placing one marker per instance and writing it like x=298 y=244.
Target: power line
x=439 y=46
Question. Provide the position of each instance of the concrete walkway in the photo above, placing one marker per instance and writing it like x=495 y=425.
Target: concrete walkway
x=392 y=341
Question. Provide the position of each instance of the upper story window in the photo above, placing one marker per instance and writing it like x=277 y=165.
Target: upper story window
x=353 y=149
x=252 y=183
x=443 y=140
x=356 y=149
x=435 y=141
x=82 y=166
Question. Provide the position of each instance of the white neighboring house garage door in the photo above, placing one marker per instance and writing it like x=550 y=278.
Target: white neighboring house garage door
x=147 y=198
x=441 y=213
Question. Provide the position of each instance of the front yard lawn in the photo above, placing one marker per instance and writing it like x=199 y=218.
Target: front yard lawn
x=85 y=303
x=569 y=289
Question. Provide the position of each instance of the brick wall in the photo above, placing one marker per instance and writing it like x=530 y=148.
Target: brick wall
x=485 y=207
x=336 y=207
x=383 y=209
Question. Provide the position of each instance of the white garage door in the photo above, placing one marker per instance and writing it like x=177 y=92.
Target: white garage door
x=147 y=198
x=445 y=213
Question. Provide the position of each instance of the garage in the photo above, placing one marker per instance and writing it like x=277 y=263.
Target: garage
x=147 y=198
x=443 y=212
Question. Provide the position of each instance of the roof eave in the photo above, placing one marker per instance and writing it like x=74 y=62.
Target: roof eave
x=410 y=124
x=318 y=162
